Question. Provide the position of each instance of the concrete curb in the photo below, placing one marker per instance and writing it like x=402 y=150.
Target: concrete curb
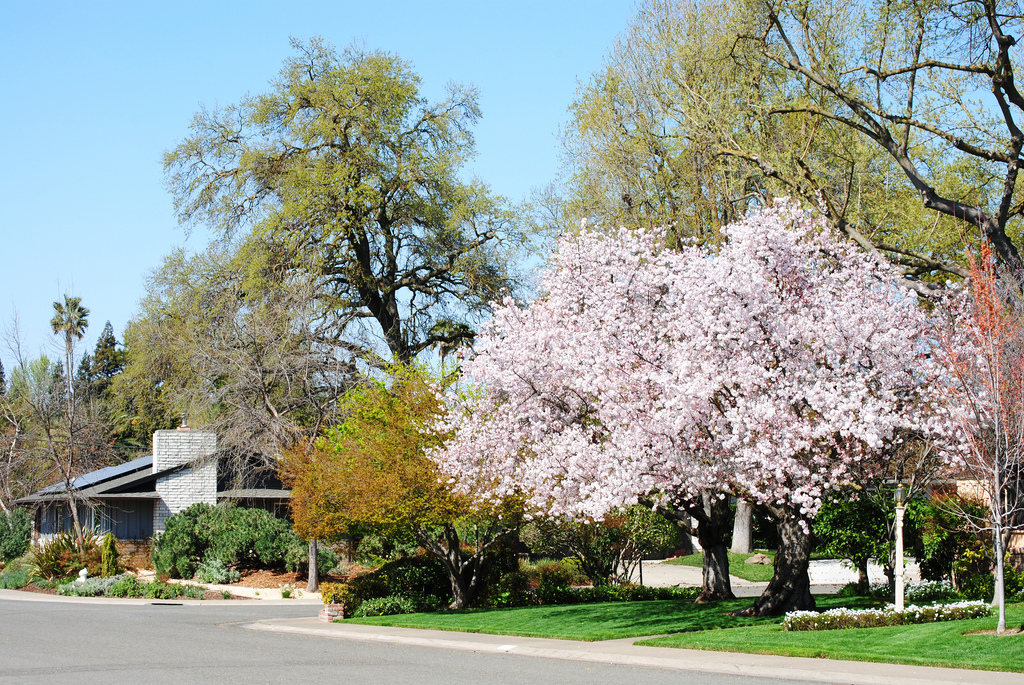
x=625 y=653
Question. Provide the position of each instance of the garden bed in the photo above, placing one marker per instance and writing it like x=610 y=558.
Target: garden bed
x=953 y=644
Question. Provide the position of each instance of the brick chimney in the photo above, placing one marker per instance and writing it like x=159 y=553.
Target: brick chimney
x=187 y=486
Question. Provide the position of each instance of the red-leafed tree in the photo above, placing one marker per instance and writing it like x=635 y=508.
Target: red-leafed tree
x=982 y=348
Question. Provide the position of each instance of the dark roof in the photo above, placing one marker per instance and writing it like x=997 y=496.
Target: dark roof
x=135 y=479
x=94 y=478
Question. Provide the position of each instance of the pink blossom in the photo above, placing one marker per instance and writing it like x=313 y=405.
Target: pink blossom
x=775 y=366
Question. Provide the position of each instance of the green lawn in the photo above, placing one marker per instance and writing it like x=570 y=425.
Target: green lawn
x=607 y=621
x=752 y=572
x=933 y=644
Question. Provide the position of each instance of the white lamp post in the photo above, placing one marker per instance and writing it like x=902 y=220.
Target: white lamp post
x=901 y=493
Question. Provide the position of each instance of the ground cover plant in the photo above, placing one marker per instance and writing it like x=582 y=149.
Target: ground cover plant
x=839 y=619
x=757 y=573
x=590 y=622
x=948 y=644
x=14 y=580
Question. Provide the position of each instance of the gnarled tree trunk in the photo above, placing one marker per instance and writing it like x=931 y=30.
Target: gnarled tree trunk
x=714 y=521
x=790 y=586
x=463 y=569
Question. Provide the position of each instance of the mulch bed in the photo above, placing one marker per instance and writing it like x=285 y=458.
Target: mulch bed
x=276 y=578
x=270 y=578
x=31 y=587
x=1008 y=631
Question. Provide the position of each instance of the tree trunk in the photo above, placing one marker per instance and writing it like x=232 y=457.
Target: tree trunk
x=712 y=534
x=999 y=590
x=863 y=581
x=449 y=552
x=712 y=529
x=790 y=586
x=313 y=584
x=742 y=528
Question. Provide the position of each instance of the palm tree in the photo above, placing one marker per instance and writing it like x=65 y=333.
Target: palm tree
x=71 y=319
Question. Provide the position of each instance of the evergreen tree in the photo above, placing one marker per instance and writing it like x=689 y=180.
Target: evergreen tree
x=3 y=380
x=107 y=361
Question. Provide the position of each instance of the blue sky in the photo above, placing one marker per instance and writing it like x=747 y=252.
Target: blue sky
x=95 y=92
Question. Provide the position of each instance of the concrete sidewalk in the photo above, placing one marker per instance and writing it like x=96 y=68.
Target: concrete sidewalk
x=624 y=652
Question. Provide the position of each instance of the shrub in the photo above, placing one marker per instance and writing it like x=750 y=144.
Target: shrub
x=183 y=544
x=385 y=606
x=235 y=535
x=523 y=596
x=60 y=557
x=836 y=619
x=126 y=585
x=158 y=590
x=336 y=593
x=555 y=582
x=108 y=561
x=286 y=591
x=422 y=580
x=15 y=534
x=511 y=590
x=214 y=571
x=14 y=580
x=629 y=593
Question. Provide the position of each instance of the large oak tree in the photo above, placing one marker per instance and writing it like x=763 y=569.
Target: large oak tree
x=345 y=172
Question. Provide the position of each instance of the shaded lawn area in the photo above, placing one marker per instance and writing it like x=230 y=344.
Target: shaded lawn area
x=932 y=644
x=589 y=622
x=757 y=573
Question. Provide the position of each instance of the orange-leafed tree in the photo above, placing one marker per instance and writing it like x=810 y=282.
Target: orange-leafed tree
x=982 y=350
x=372 y=472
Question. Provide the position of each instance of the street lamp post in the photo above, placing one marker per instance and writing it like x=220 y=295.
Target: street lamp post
x=901 y=493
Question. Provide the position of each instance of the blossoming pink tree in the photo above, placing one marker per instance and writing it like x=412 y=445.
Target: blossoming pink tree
x=772 y=368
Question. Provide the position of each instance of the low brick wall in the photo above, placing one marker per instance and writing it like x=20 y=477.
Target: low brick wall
x=136 y=553
x=332 y=612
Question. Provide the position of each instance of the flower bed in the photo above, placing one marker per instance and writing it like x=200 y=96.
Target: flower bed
x=837 y=619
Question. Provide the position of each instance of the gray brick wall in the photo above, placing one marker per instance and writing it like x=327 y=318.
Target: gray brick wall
x=198 y=483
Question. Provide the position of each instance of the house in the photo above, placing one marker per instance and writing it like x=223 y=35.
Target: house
x=134 y=500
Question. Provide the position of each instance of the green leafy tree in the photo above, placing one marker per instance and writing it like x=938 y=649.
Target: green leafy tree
x=608 y=550
x=344 y=173
x=372 y=472
x=855 y=527
x=898 y=121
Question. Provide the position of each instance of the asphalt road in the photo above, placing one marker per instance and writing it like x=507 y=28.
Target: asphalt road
x=71 y=643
